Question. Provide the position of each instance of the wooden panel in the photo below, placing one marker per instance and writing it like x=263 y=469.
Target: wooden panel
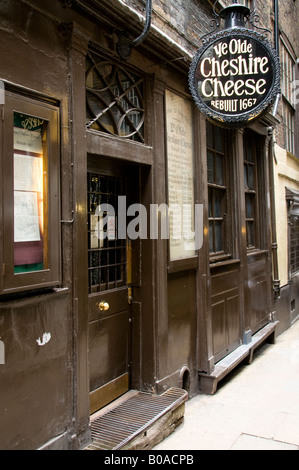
x=259 y=292
x=294 y=298
x=257 y=268
x=233 y=318
x=181 y=332
x=116 y=300
x=219 y=327
x=226 y=310
x=224 y=281
x=117 y=148
x=108 y=392
x=36 y=382
x=258 y=304
x=108 y=348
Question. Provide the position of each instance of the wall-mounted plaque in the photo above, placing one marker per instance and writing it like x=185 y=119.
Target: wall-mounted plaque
x=235 y=77
x=180 y=176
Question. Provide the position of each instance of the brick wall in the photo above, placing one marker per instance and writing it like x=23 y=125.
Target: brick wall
x=288 y=26
x=186 y=21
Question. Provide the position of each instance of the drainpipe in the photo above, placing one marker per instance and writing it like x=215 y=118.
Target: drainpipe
x=124 y=45
x=276 y=43
x=275 y=272
x=276 y=30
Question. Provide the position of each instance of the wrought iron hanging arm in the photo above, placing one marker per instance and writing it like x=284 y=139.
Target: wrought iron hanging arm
x=124 y=45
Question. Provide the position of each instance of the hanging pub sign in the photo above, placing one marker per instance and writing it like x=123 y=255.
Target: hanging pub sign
x=235 y=77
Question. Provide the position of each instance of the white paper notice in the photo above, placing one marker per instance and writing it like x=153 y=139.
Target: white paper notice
x=28 y=173
x=27 y=141
x=26 y=219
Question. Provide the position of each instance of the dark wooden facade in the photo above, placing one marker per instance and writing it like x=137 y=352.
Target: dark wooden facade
x=184 y=316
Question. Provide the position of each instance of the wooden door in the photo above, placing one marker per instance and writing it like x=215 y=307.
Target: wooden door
x=109 y=268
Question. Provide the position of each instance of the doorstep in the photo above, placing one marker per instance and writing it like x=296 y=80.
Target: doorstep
x=137 y=421
x=209 y=382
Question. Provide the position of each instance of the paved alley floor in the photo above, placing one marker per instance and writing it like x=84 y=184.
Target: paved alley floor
x=255 y=408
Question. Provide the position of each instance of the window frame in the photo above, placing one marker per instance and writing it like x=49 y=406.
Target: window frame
x=50 y=276
x=293 y=246
x=252 y=193
x=292 y=198
x=289 y=126
x=226 y=252
x=257 y=192
x=288 y=74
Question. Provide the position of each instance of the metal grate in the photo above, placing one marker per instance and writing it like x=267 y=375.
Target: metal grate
x=119 y=426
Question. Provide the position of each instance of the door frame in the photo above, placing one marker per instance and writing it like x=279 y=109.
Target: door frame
x=113 y=389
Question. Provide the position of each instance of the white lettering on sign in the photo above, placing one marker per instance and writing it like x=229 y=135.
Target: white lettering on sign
x=240 y=66
x=214 y=87
x=212 y=69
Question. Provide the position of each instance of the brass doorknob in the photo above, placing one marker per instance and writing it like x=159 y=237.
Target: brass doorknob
x=103 y=306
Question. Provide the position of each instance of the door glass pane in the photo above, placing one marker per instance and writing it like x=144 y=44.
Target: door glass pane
x=210 y=143
x=107 y=261
x=217 y=203
x=219 y=170
x=30 y=194
x=250 y=234
x=210 y=202
x=211 y=237
x=218 y=236
x=249 y=154
x=249 y=206
x=250 y=181
x=216 y=166
x=210 y=167
x=294 y=245
x=219 y=139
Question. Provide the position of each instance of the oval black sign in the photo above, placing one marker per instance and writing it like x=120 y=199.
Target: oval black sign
x=235 y=76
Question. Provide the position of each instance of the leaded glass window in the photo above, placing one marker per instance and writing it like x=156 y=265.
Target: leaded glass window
x=114 y=99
